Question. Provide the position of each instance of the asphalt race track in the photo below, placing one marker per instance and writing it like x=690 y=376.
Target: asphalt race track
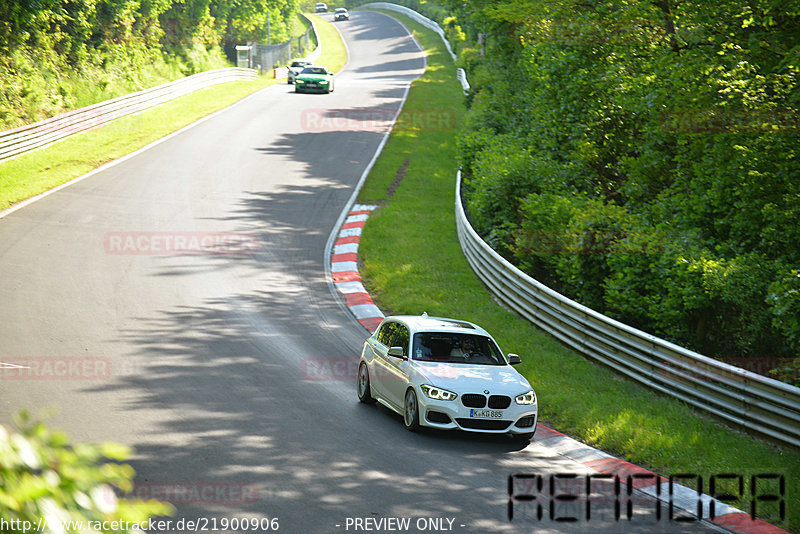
x=177 y=302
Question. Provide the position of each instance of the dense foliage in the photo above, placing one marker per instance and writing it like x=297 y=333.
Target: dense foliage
x=641 y=156
x=48 y=484
x=51 y=49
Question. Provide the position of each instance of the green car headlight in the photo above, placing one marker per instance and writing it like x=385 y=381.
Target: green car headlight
x=323 y=83
x=437 y=393
x=526 y=398
x=298 y=80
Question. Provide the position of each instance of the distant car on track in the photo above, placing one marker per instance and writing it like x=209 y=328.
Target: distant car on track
x=341 y=14
x=296 y=68
x=321 y=7
x=447 y=374
x=314 y=79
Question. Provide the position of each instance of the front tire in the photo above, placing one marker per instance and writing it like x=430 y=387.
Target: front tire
x=411 y=411
x=363 y=385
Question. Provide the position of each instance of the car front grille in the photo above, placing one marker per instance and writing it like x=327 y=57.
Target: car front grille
x=483 y=424
x=476 y=400
x=473 y=400
x=499 y=402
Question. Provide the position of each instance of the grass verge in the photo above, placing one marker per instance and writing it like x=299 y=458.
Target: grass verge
x=37 y=171
x=413 y=263
x=334 y=53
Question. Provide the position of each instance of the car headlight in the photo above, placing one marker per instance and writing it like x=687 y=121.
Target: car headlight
x=323 y=82
x=298 y=80
x=437 y=393
x=526 y=398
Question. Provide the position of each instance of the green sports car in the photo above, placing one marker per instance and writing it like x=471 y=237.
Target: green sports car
x=314 y=79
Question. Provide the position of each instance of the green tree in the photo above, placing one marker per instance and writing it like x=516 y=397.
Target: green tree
x=45 y=478
x=646 y=121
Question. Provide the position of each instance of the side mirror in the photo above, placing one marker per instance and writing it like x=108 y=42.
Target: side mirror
x=514 y=359
x=397 y=352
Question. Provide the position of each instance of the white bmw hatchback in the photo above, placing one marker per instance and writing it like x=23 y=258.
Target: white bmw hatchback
x=447 y=374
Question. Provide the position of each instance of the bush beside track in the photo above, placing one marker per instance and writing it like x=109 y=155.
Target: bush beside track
x=413 y=263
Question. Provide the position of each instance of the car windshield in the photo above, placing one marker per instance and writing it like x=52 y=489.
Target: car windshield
x=449 y=347
x=314 y=70
x=299 y=63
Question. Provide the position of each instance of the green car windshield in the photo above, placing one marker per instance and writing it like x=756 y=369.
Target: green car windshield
x=314 y=70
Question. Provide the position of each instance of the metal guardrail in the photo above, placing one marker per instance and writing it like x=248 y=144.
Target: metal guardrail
x=315 y=55
x=26 y=138
x=428 y=23
x=760 y=404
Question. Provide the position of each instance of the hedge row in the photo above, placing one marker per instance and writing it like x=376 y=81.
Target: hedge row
x=642 y=158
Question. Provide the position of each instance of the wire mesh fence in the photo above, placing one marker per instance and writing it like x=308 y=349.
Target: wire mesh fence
x=267 y=57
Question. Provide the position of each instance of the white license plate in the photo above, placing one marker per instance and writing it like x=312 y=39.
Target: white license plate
x=486 y=414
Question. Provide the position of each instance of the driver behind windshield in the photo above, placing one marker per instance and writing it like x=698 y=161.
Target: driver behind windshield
x=464 y=350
